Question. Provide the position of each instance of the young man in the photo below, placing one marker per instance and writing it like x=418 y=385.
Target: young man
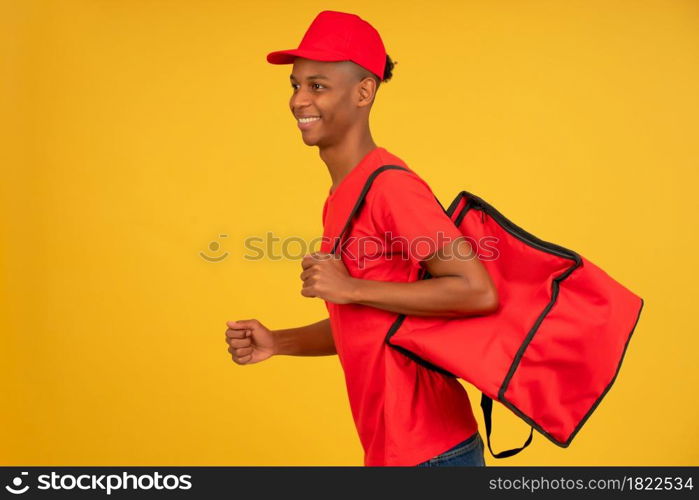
x=405 y=413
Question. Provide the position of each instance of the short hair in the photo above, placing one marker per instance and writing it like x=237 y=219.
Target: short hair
x=362 y=72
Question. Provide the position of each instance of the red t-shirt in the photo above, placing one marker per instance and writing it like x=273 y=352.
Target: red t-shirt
x=404 y=413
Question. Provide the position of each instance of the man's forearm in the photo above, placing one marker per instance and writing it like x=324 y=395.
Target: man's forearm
x=449 y=296
x=311 y=340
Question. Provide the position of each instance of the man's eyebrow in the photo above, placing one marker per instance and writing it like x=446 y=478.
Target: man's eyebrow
x=312 y=77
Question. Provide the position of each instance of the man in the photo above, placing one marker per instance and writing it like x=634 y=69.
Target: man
x=405 y=413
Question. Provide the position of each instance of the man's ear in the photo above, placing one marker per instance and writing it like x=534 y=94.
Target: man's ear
x=367 y=91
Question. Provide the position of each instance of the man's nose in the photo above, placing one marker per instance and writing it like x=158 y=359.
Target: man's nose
x=299 y=100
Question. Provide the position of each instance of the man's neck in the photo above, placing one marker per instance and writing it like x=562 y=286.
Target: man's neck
x=341 y=159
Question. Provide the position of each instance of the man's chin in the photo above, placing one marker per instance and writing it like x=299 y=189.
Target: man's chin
x=309 y=140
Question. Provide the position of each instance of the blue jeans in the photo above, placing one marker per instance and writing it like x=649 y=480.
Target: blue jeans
x=465 y=453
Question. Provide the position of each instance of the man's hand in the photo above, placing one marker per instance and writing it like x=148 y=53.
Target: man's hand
x=249 y=341
x=325 y=276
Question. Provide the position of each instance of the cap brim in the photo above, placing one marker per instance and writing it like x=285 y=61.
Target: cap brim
x=288 y=56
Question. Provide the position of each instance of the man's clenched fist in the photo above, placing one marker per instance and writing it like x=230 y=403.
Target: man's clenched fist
x=325 y=276
x=249 y=341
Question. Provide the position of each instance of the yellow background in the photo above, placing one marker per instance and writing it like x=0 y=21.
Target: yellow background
x=134 y=133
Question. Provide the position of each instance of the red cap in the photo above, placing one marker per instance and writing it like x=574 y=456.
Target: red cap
x=338 y=36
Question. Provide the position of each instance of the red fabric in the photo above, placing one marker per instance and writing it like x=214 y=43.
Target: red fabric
x=404 y=413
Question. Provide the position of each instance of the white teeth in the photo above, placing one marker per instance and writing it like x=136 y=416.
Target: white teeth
x=309 y=119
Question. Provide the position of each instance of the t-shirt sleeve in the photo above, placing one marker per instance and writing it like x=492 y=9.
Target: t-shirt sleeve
x=408 y=215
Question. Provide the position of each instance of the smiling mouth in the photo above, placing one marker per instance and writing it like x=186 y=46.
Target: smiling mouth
x=306 y=123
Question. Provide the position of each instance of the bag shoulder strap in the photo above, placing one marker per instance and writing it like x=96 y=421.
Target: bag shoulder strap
x=362 y=195
x=360 y=199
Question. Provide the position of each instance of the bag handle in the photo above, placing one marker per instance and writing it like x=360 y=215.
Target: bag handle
x=487 y=407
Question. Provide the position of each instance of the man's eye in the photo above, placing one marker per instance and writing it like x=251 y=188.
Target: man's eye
x=294 y=85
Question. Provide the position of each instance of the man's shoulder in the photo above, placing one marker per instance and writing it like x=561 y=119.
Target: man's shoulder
x=394 y=181
x=396 y=175
x=395 y=190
